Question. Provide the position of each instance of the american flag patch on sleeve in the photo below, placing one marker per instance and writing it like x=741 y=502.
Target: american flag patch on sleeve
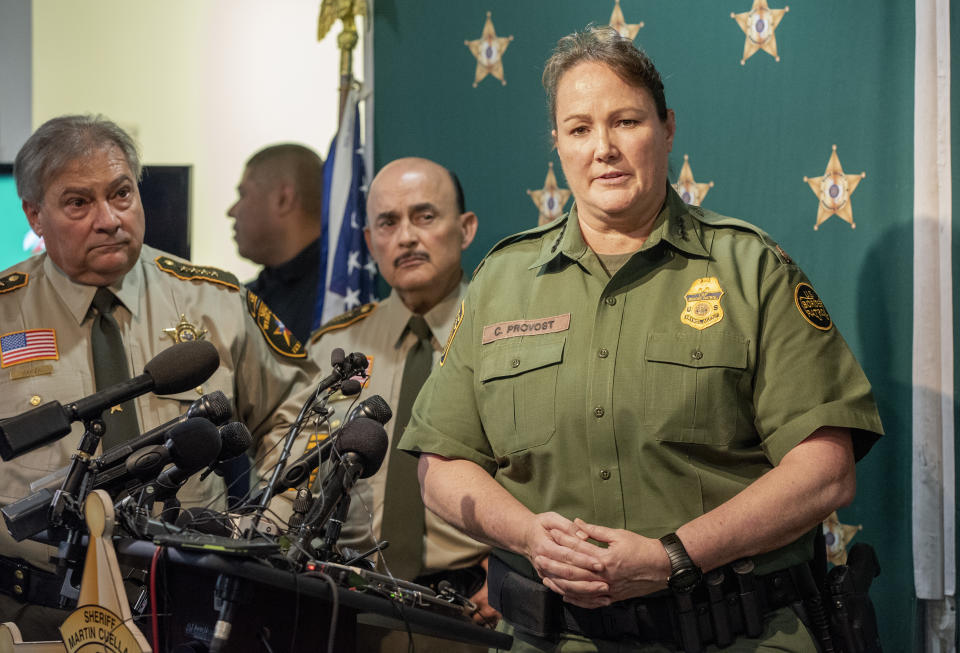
x=30 y=345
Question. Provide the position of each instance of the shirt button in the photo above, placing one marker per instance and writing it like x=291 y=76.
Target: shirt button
x=35 y=400
x=515 y=362
x=598 y=411
x=603 y=353
x=605 y=474
x=696 y=354
x=611 y=301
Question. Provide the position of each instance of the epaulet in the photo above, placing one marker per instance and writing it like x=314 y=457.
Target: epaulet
x=717 y=220
x=529 y=234
x=344 y=320
x=190 y=272
x=13 y=281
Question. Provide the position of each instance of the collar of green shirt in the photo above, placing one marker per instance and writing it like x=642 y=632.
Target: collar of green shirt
x=675 y=224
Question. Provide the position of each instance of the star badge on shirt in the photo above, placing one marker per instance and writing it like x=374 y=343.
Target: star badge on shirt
x=619 y=23
x=833 y=190
x=687 y=188
x=759 y=24
x=550 y=199
x=184 y=331
x=488 y=51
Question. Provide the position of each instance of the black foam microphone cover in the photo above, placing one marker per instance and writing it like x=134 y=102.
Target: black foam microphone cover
x=196 y=443
x=183 y=366
x=337 y=357
x=350 y=387
x=368 y=439
x=235 y=438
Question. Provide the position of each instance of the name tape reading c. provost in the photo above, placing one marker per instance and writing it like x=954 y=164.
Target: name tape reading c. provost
x=516 y=328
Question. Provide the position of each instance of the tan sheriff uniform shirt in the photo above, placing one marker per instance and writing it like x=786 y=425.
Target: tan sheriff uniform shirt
x=377 y=330
x=259 y=372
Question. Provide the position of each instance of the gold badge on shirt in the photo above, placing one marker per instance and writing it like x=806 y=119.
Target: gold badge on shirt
x=703 y=304
x=184 y=331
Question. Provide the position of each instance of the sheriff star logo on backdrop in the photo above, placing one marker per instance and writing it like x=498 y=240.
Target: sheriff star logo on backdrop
x=619 y=23
x=759 y=24
x=837 y=538
x=833 y=190
x=488 y=51
x=687 y=188
x=550 y=199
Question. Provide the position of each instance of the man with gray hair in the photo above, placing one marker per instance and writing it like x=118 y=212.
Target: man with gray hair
x=105 y=304
x=277 y=213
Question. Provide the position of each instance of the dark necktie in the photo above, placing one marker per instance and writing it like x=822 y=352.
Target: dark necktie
x=110 y=367
x=403 y=507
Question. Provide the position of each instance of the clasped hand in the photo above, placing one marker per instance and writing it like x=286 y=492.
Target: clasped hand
x=621 y=565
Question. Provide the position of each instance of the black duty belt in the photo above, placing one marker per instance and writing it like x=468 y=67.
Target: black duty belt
x=728 y=603
x=28 y=584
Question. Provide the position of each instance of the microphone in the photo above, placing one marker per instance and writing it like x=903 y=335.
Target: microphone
x=235 y=439
x=176 y=369
x=204 y=447
x=374 y=408
x=214 y=407
x=189 y=442
x=361 y=448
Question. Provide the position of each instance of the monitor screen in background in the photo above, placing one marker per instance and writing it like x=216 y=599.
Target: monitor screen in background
x=164 y=191
x=17 y=240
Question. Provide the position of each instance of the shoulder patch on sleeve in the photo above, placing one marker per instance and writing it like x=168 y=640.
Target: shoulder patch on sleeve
x=811 y=306
x=191 y=272
x=344 y=320
x=13 y=281
x=277 y=335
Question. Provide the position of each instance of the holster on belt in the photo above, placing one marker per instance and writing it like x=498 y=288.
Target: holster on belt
x=532 y=607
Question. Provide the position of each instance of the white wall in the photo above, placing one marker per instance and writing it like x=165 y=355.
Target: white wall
x=199 y=82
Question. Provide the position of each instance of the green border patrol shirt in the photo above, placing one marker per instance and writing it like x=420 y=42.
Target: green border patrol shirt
x=643 y=400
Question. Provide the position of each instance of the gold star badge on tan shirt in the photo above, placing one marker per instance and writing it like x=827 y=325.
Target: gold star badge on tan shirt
x=550 y=199
x=833 y=190
x=687 y=188
x=488 y=51
x=759 y=24
x=619 y=23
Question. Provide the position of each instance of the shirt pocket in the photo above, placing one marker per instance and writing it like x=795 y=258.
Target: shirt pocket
x=18 y=397
x=518 y=394
x=693 y=386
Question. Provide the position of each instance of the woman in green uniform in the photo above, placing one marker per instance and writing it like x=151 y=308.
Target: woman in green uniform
x=639 y=394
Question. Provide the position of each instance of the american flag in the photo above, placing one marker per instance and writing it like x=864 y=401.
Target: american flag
x=30 y=345
x=349 y=271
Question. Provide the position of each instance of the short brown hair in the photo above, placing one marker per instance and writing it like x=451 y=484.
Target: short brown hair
x=602 y=44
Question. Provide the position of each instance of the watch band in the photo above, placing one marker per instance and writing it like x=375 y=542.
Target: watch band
x=679 y=559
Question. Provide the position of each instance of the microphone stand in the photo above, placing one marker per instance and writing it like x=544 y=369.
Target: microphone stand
x=66 y=508
x=342 y=370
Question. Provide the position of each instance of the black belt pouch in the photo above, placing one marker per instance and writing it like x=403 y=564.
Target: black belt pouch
x=527 y=604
